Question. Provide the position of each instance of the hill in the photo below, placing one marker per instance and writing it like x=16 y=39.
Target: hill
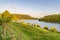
x=20 y=31
x=23 y=16
x=51 y=18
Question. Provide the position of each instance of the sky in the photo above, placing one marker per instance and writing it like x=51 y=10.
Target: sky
x=34 y=8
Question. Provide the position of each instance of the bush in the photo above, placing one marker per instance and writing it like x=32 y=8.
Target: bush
x=38 y=25
x=34 y=24
x=28 y=23
x=22 y=22
x=1 y=22
x=53 y=29
x=46 y=28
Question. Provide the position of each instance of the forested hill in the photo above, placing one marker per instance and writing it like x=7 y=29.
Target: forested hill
x=51 y=18
x=23 y=16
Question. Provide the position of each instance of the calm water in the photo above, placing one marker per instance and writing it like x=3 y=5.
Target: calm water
x=42 y=24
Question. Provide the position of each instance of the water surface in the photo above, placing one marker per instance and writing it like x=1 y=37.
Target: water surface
x=42 y=24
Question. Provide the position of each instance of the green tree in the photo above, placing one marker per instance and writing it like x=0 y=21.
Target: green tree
x=6 y=16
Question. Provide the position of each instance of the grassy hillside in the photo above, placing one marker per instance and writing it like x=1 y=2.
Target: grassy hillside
x=20 y=31
x=51 y=18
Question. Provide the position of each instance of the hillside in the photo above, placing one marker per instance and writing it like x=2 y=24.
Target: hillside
x=23 y=16
x=20 y=31
x=51 y=18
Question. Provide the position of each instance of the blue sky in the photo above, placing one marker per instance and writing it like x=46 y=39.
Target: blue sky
x=35 y=8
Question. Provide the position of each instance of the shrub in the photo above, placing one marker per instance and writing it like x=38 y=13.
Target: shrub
x=53 y=29
x=46 y=28
x=22 y=22
x=1 y=22
x=28 y=23
x=34 y=24
x=38 y=25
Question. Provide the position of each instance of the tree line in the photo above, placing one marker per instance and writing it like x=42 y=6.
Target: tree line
x=51 y=18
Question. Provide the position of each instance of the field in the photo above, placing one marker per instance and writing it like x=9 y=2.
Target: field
x=20 y=31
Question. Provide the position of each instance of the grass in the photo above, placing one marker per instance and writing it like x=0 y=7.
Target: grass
x=20 y=31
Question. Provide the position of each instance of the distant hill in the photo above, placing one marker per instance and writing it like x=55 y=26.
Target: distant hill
x=23 y=16
x=51 y=18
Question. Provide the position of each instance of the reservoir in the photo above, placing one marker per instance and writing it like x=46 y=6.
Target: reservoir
x=43 y=24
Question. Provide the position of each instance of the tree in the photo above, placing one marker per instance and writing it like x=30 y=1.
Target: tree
x=6 y=16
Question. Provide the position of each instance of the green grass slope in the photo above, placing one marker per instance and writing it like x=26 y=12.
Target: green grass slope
x=20 y=31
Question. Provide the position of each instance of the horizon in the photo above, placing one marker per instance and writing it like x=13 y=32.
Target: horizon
x=25 y=14
x=34 y=8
